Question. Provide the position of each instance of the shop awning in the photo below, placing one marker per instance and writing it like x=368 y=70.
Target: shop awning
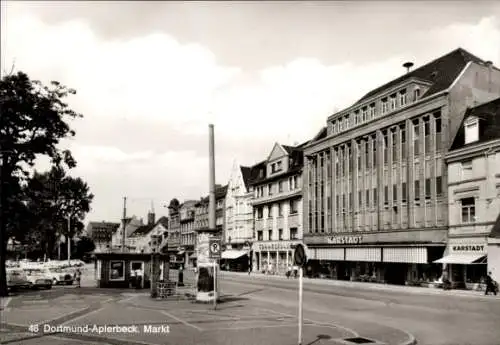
x=233 y=254
x=192 y=256
x=462 y=259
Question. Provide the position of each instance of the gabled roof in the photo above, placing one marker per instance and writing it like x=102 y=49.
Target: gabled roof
x=258 y=173
x=489 y=124
x=246 y=174
x=441 y=72
x=144 y=229
x=220 y=192
x=495 y=231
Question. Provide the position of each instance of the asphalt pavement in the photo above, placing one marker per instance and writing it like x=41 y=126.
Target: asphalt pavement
x=256 y=309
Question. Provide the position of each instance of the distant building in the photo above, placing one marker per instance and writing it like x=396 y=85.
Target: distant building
x=150 y=237
x=102 y=233
x=276 y=185
x=474 y=197
x=131 y=225
x=187 y=229
x=375 y=181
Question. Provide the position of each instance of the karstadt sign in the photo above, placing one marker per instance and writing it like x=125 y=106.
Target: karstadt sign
x=344 y=239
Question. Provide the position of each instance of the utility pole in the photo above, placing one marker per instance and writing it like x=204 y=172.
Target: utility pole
x=68 y=239
x=124 y=222
x=211 y=199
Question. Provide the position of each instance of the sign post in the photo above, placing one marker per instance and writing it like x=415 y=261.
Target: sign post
x=214 y=253
x=300 y=259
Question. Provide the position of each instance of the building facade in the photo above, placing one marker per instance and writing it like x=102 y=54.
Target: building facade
x=375 y=195
x=473 y=196
x=276 y=184
x=238 y=213
x=187 y=229
x=131 y=225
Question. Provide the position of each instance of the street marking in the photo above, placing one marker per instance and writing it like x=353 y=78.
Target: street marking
x=317 y=323
x=64 y=315
x=81 y=316
x=181 y=321
x=4 y=302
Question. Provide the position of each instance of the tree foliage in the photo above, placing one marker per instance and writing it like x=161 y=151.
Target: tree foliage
x=34 y=118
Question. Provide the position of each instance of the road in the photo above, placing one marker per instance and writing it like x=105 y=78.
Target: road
x=259 y=310
x=434 y=319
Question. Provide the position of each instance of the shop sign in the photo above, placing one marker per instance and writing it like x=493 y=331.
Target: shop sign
x=468 y=248
x=344 y=239
x=275 y=246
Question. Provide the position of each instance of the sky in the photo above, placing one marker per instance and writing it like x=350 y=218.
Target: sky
x=151 y=76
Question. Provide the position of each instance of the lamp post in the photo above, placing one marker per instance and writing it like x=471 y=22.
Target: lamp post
x=68 y=239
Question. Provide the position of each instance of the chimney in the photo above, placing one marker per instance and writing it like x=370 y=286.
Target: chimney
x=488 y=63
x=408 y=65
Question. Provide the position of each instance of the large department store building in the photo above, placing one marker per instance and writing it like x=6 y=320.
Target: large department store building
x=375 y=183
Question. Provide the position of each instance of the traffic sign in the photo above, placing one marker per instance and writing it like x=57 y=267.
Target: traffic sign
x=214 y=247
x=299 y=255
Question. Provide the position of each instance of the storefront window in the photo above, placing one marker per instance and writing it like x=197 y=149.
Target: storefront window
x=117 y=270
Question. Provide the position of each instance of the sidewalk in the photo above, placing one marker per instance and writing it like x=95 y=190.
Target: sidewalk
x=368 y=286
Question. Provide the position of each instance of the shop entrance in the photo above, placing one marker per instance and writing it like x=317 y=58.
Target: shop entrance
x=395 y=273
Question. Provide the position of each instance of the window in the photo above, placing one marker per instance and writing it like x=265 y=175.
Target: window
x=402 y=98
x=403 y=190
x=374 y=160
x=427 y=188
x=471 y=130
x=270 y=235
x=416 y=133
x=269 y=211
x=437 y=124
x=386 y=144
x=341 y=125
x=293 y=206
x=439 y=186
x=402 y=133
x=385 y=106
x=386 y=195
x=394 y=193
x=367 y=198
x=260 y=236
x=357 y=118
x=347 y=122
x=416 y=94
x=360 y=201
x=280 y=210
x=394 y=145
x=328 y=204
x=280 y=234
x=270 y=189
x=466 y=170
x=365 y=114
x=280 y=186
x=427 y=133
x=375 y=197
x=468 y=210
x=417 y=190
x=372 y=111
x=393 y=102
x=117 y=270
x=294 y=234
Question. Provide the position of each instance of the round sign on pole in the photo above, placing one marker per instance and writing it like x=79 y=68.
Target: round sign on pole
x=299 y=255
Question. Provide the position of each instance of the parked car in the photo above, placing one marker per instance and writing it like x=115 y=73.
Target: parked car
x=39 y=277
x=17 y=279
x=59 y=276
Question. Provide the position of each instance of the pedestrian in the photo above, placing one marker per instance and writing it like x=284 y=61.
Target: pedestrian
x=249 y=269
x=491 y=285
x=288 y=272
x=78 y=277
x=295 y=271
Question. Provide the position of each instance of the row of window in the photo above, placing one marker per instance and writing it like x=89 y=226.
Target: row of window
x=369 y=112
x=365 y=148
x=293 y=234
x=371 y=195
x=293 y=209
x=292 y=183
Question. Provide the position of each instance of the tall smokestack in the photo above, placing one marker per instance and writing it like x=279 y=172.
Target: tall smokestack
x=211 y=178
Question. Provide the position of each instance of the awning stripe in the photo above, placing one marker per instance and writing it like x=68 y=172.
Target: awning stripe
x=233 y=254
x=460 y=259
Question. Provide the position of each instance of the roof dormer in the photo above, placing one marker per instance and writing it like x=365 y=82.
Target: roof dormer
x=471 y=129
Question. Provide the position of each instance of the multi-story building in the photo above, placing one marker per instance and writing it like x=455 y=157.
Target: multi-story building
x=473 y=195
x=201 y=223
x=174 y=232
x=238 y=228
x=375 y=181
x=134 y=240
x=276 y=184
x=101 y=226
x=187 y=226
